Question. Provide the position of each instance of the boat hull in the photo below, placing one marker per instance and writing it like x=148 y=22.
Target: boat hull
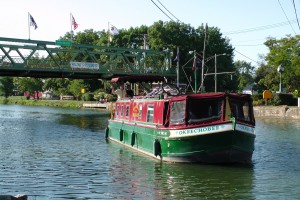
x=222 y=146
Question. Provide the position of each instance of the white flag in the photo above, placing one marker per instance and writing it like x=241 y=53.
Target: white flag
x=113 y=30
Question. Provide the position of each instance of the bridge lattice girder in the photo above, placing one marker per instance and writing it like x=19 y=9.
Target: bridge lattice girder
x=44 y=59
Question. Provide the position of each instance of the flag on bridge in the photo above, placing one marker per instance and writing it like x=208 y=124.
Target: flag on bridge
x=112 y=29
x=73 y=22
x=32 y=21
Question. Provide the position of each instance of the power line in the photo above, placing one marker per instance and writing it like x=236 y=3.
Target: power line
x=246 y=57
x=296 y=14
x=162 y=11
x=260 y=28
x=168 y=10
x=248 y=45
x=286 y=16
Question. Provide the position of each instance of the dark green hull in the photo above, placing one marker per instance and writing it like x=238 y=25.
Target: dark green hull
x=211 y=144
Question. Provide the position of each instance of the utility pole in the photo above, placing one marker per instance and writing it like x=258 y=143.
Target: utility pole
x=195 y=70
x=203 y=58
x=177 y=67
x=215 y=72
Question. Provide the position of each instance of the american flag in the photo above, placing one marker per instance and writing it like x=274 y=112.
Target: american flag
x=32 y=22
x=74 y=23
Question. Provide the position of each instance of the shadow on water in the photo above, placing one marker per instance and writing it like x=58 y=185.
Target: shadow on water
x=93 y=122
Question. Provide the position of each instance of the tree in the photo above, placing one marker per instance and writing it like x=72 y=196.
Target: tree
x=284 y=52
x=6 y=86
x=28 y=84
x=245 y=73
x=172 y=34
x=57 y=85
x=75 y=87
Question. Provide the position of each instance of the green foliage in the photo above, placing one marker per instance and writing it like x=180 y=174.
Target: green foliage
x=245 y=72
x=57 y=85
x=283 y=99
x=284 y=52
x=28 y=84
x=296 y=94
x=257 y=97
x=99 y=95
x=6 y=86
x=75 y=87
x=53 y=103
x=111 y=97
x=88 y=97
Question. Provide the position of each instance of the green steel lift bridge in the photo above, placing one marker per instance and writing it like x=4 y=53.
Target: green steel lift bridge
x=65 y=59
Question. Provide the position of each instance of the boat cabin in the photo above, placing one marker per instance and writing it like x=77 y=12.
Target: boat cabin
x=186 y=110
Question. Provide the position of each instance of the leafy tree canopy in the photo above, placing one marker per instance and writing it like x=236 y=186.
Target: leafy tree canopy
x=284 y=52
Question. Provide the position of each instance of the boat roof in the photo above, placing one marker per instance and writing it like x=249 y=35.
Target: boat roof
x=140 y=78
x=211 y=96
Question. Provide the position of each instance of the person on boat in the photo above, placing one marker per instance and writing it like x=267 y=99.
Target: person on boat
x=120 y=92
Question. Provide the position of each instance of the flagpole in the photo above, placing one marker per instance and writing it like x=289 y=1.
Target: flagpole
x=108 y=34
x=71 y=26
x=29 y=25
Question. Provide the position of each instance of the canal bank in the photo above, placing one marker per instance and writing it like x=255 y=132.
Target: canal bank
x=277 y=111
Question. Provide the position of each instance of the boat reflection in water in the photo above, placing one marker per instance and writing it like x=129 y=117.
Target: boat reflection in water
x=139 y=177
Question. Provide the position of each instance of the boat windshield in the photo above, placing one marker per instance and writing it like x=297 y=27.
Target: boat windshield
x=177 y=112
x=203 y=110
x=242 y=110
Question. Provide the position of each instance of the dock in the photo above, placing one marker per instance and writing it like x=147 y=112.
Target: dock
x=99 y=105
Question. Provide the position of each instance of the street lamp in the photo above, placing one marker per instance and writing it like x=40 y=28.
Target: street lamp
x=280 y=69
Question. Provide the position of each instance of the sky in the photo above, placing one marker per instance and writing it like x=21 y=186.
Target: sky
x=246 y=23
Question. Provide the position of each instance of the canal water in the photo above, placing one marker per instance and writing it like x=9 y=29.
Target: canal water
x=52 y=153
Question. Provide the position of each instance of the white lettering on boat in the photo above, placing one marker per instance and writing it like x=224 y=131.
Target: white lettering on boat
x=201 y=130
x=243 y=128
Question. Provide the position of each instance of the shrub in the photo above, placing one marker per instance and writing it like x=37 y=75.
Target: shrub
x=99 y=95
x=111 y=97
x=88 y=97
x=283 y=99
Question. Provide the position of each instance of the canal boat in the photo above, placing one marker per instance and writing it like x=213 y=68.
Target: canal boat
x=174 y=127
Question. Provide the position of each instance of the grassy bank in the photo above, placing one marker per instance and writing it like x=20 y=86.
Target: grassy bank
x=20 y=100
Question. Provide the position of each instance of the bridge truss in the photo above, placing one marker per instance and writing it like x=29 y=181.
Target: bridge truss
x=64 y=59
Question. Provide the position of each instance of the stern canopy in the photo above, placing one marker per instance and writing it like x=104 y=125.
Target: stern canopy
x=210 y=108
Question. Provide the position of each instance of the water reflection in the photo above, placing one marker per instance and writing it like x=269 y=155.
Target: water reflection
x=134 y=175
x=93 y=122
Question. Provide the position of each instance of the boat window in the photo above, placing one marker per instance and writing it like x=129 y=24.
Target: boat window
x=121 y=111
x=177 y=112
x=127 y=111
x=118 y=110
x=204 y=110
x=241 y=110
x=140 y=111
x=150 y=113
